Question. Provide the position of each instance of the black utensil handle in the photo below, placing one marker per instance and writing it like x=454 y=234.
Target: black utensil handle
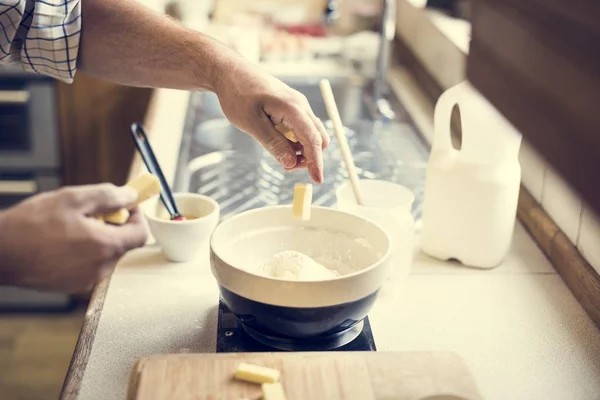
x=145 y=149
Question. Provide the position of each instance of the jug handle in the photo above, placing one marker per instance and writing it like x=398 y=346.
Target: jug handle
x=442 y=117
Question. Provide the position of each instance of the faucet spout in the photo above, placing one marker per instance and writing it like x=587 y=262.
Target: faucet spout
x=388 y=32
x=332 y=13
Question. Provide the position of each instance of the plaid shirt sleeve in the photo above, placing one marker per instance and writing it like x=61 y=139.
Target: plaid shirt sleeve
x=42 y=35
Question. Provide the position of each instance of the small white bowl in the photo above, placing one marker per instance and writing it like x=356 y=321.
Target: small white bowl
x=181 y=241
x=389 y=205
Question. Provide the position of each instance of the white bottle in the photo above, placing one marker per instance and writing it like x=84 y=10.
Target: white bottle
x=471 y=194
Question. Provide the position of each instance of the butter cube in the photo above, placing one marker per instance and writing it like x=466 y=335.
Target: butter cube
x=302 y=201
x=287 y=132
x=118 y=217
x=146 y=185
x=273 y=391
x=256 y=373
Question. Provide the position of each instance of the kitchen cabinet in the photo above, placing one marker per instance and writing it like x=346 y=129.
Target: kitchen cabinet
x=94 y=120
x=538 y=63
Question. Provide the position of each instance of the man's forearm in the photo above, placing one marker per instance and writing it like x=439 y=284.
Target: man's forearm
x=124 y=42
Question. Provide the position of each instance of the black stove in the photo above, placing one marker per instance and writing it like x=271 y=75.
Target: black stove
x=232 y=337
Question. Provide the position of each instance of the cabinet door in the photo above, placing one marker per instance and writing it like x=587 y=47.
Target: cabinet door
x=538 y=62
x=95 y=117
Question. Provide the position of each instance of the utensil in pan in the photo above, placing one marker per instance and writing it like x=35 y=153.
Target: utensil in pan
x=145 y=149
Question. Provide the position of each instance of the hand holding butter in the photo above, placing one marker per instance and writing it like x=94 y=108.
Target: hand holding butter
x=287 y=132
x=146 y=185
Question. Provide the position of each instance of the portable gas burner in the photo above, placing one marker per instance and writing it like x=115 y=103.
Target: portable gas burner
x=233 y=337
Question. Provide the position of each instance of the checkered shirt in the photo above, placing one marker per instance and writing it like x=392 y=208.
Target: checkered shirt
x=42 y=35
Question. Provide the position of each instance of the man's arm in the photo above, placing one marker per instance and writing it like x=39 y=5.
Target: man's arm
x=117 y=40
x=125 y=42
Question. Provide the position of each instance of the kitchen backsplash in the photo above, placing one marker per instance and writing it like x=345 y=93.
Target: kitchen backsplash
x=588 y=240
x=434 y=37
x=562 y=204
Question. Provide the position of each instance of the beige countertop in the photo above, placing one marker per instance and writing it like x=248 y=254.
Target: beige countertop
x=518 y=328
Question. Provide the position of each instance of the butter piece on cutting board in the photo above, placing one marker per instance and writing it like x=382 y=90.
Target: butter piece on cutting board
x=146 y=185
x=287 y=132
x=256 y=373
x=302 y=201
x=273 y=391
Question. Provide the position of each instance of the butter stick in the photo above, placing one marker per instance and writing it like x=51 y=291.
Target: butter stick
x=273 y=391
x=302 y=201
x=146 y=185
x=287 y=132
x=118 y=217
x=256 y=373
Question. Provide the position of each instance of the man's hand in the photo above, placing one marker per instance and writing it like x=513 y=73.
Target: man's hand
x=255 y=102
x=52 y=241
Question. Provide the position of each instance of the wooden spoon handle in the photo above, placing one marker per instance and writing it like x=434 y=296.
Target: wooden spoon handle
x=338 y=128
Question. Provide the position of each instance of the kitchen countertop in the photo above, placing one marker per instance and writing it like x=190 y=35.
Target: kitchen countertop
x=518 y=327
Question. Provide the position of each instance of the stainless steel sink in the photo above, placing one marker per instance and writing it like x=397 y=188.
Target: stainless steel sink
x=218 y=160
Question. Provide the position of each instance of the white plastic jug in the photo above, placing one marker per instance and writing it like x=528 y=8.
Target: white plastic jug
x=471 y=194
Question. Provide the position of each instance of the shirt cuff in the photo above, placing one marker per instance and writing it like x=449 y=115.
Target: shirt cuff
x=52 y=33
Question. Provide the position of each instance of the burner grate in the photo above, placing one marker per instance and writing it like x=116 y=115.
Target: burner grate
x=232 y=338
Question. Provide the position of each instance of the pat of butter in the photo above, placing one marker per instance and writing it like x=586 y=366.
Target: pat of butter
x=287 y=132
x=273 y=391
x=118 y=217
x=146 y=185
x=302 y=201
x=256 y=373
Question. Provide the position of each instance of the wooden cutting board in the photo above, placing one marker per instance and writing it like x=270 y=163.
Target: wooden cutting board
x=306 y=376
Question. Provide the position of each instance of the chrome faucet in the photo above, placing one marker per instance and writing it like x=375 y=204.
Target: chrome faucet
x=381 y=105
x=378 y=104
x=332 y=13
